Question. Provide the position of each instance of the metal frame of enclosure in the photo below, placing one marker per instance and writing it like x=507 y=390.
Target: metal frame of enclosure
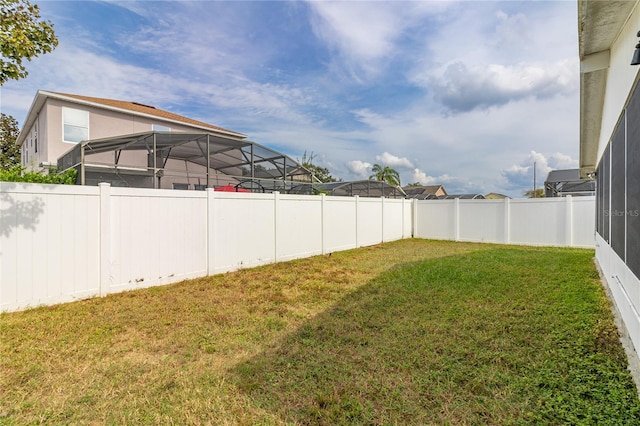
x=145 y=159
x=363 y=188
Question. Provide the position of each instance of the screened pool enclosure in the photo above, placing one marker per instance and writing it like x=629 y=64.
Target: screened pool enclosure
x=174 y=160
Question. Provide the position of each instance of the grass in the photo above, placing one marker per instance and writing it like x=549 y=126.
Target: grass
x=411 y=332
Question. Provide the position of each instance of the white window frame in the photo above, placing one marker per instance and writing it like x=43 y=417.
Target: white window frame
x=77 y=124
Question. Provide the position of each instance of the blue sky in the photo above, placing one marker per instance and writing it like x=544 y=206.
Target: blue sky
x=467 y=94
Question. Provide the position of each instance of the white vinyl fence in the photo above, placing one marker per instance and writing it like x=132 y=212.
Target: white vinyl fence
x=567 y=221
x=64 y=243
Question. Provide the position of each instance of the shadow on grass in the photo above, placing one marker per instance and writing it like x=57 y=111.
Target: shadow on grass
x=501 y=336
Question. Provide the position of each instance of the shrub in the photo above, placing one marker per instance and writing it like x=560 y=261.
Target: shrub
x=19 y=174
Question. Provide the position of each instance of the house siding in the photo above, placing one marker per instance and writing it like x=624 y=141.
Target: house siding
x=103 y=123
x=618 y=182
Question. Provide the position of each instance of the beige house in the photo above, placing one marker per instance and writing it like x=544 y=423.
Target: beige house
x=495 y=196
x=426 y=192
x=132 y=144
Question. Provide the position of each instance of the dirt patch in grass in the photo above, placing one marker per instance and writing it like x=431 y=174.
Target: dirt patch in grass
x=412 y=332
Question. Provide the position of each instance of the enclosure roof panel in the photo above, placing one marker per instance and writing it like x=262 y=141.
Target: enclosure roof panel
x=193 y=147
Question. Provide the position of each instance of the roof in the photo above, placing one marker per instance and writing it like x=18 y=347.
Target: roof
x=599 y=24
x=495 y=196
x=566 y=182
x=128 y=107
x=423 y=191
x=563 y=175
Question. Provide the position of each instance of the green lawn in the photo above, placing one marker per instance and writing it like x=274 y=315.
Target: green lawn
x=412 y=332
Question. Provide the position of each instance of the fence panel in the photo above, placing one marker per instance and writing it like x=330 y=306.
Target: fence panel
x=392 y=217
x=482 y=221
x=369 y=221
x=538 y=221
x=242 y=230
x=299 y=226
x=157 y=237
x=407 y=219
x=340 y=223
x=49 y=244
x=435 y=219
x=583 y=221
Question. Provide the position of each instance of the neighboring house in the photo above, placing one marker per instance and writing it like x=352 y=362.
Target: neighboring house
x=561 y=183
x=427 y=192
x=132 y=144
x=495 y=196
x=610 y=145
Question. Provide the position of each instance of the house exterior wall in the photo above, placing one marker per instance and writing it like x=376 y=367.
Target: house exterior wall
x=103 y=123
x=618 y=187
x=35 y=145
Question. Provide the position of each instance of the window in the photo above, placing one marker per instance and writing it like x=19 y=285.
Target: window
x=75 y=125
x=160 y=128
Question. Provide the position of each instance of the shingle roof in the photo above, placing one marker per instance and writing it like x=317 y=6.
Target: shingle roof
x=146 y=109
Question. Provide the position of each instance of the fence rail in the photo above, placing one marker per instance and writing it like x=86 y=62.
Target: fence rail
x=64 y=243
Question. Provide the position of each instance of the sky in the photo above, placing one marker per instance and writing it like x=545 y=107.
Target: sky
x=466 y=94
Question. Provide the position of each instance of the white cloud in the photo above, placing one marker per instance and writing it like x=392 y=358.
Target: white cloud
x=422 y=178
x=365 y=34
x=521 y=175
x=461 y=88
x=393 y=161
x=359 y=168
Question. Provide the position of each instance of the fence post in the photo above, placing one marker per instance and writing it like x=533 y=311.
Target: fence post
x=456 y=224
x=211 y=238
x=357 y=201
x=414 y=218
x=402 y=221
x=105 y=238
x=382 y=220
x=568 y=232
x=323 y=222
x=507 y=220
x=276 y=207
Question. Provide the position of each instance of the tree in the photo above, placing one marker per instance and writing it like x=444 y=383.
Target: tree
x=414 y=184
x=385 y=174
x=22 y=36
x=530 y=193
x=9 y=150
x=321 y=173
